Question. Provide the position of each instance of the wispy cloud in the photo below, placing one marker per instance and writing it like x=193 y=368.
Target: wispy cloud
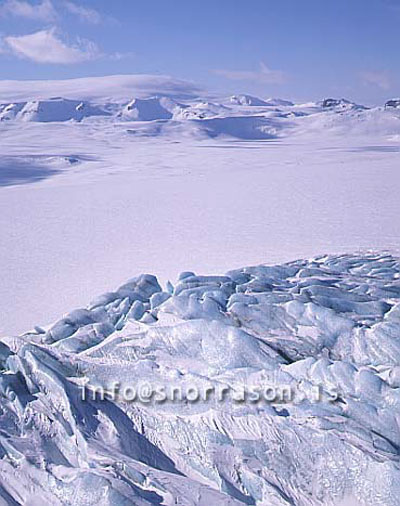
x=46 y=46
x=43 y=11
x=376 y=78
x=117 y=56
x=48 y=10
x=83 y=13
x=264 y=75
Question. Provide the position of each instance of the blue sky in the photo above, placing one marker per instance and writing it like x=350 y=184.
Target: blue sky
x=301 y=49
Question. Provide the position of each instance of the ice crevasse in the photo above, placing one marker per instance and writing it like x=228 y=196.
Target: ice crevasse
x=331 y=323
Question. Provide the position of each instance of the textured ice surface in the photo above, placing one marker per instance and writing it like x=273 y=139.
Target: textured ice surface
x=331 y=323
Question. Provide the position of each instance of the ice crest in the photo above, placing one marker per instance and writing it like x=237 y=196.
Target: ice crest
x=328 y=325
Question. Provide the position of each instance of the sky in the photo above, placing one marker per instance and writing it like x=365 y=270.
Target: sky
x=296 y=49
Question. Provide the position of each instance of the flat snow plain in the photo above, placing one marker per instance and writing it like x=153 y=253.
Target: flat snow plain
x=85 y=203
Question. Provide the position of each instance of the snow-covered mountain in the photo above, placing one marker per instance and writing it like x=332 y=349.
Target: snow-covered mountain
x=393 y=103
x=52 y=110
x=247 y=100
x=340 y=104
x=242 y=117
x=149 y=109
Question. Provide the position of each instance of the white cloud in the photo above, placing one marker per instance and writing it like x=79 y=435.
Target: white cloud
x=46 y=47
x=43 y=11
x=88 y=88
x=47 y=11
x=264 y=74
x=83 y=13
x=117 y=56
x=376 y=78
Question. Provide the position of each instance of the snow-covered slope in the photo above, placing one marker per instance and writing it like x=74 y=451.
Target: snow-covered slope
x=316 y=340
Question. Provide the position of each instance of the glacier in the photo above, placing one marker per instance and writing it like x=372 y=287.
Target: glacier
x=331 y=322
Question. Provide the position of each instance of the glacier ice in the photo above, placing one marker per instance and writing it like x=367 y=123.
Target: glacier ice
x=330 y=323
